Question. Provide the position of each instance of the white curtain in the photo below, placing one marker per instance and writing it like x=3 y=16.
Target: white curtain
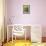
x=1 y=20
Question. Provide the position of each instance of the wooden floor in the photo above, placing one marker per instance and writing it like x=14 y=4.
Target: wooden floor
x=23 y=43
x=18 y=43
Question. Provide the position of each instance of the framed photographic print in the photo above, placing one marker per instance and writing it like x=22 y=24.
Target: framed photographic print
x=26 y=9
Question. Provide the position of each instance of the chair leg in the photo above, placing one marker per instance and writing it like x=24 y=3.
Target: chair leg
x=25 y=36
x=15 y=38
x=12 y=36
x=2 y=44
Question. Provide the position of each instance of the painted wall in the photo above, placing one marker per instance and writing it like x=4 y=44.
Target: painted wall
x=37 y=13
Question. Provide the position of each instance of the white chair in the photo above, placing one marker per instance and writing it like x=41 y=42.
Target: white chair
x=17 y=31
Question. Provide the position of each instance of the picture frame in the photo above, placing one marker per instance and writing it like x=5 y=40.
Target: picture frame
x=26 y=9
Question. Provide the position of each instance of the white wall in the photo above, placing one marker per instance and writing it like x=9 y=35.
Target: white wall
x=37 y=12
